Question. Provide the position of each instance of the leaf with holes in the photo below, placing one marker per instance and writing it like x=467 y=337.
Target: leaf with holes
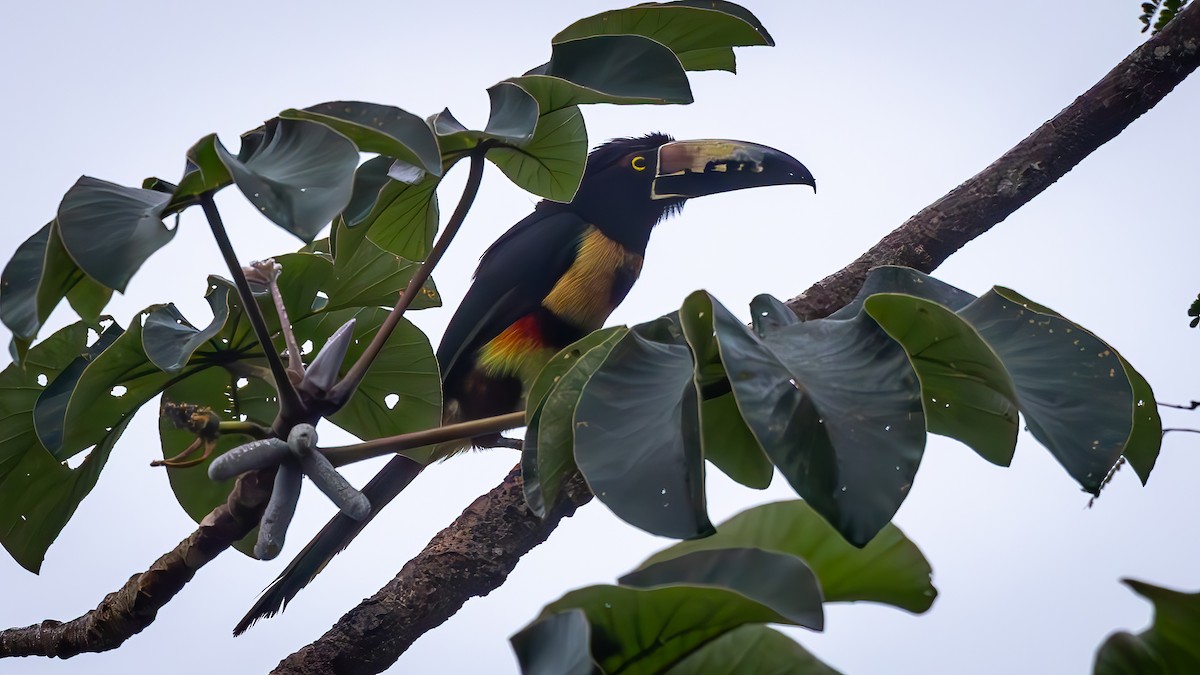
x=701 y=34
x=169 y=340
x=383 y=129
x=38 y=493
x=109 y=230
x=298 y=174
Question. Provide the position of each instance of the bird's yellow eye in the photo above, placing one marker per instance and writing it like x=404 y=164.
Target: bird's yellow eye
x=638 y=163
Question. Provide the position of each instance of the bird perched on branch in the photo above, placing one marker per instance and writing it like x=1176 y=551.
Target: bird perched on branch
x=550 y=280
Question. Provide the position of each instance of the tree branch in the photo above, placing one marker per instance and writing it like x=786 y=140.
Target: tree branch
x=473 y=556
x=927 y=239
x=123 y=614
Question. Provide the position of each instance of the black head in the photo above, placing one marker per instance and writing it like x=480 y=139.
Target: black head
x=630 y=184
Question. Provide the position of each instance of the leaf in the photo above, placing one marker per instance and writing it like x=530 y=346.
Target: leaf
x=642 y=400
x=514 y=114
x=837 y=407
x=889 y=570
x=109 y=230
x=547 y=457
x=621 y=69
x=728 y=442
x=556 y=645
x=38 y=493
x=39 y=275
x=1168 y=646
x=204 y=172
x=551 y=164
x=966 y=390
x=701 y=34
x=751 y=649
x=780 y=581
x=645 y=631
x=298 y=174
x=365 y=275
x=383 y=129
x=404 y=218
x=169 y=340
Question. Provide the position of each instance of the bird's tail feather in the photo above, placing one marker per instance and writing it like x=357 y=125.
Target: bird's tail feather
x=331 y=540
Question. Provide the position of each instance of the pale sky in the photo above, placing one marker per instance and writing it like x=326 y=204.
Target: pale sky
x=889 y=106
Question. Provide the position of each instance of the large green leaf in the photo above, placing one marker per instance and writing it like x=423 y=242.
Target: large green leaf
x=837 y=407
x=648 y=630
x=728 y=442
x=383 y=129
x=637 y=436
x=967 y=392
x=1168 y=647
x=551 y=164
x=109 y=230
x=890 y=569
x=547 y=456
x=751 y=649
x=622 y=69
x=39 y=275
x=702 y=34
x=38 y=492
x=365 y=275
x=404 y=218
x=298 y=174
x=204 y=172
x=169 y=339
x=556 y=645
x=511 y=121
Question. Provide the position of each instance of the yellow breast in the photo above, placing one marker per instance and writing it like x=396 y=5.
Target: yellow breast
x=584 y=295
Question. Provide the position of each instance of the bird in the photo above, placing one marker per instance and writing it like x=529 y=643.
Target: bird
x=551 y=279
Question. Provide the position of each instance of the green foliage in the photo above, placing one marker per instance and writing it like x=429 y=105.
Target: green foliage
x=1168 y=646
x=685 y=608
x=841 y=405
x=1194 y=312
x=1157 y=13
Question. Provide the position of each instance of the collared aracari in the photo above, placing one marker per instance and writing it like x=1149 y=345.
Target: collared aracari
x=548 y=281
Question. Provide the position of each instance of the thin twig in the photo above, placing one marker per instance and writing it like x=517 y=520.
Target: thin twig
x=343 y=390
x=1181 y=429
x=1190 y=406
x=348 y=454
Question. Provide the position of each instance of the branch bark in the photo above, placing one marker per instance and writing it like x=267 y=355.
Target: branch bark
x=465 y=557
x=474 y=555
x=124 y=613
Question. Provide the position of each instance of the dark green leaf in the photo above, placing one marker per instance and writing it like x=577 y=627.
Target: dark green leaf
x=837 y=407
x=369 y=179
x=779 y=581
x=890 y=569
x=514 y=114
x=701 y=34
x=966 y=389
x=751 y=649
x=623 y=69
x=109 y=230
x=298 y=174
x=39 y=275
x=551 y=164
x=169 y=340
x=383 y=129
x=643 y=401
x=645 y=631
x=365 y=275
x=547 y=457
x=404 y=218
x=38 y=493
x=50 y=410
x=1167 y=647
x=203 y=172
x=767 y=313
x=556 y=645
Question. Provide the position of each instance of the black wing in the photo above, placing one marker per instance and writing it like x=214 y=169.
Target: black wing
x=514 y=275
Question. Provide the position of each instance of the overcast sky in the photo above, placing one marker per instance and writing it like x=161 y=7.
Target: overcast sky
x=889 y=106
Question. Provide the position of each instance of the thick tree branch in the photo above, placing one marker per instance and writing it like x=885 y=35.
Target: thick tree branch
x=126 y=612
x=473 y=556
x=927 y=239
